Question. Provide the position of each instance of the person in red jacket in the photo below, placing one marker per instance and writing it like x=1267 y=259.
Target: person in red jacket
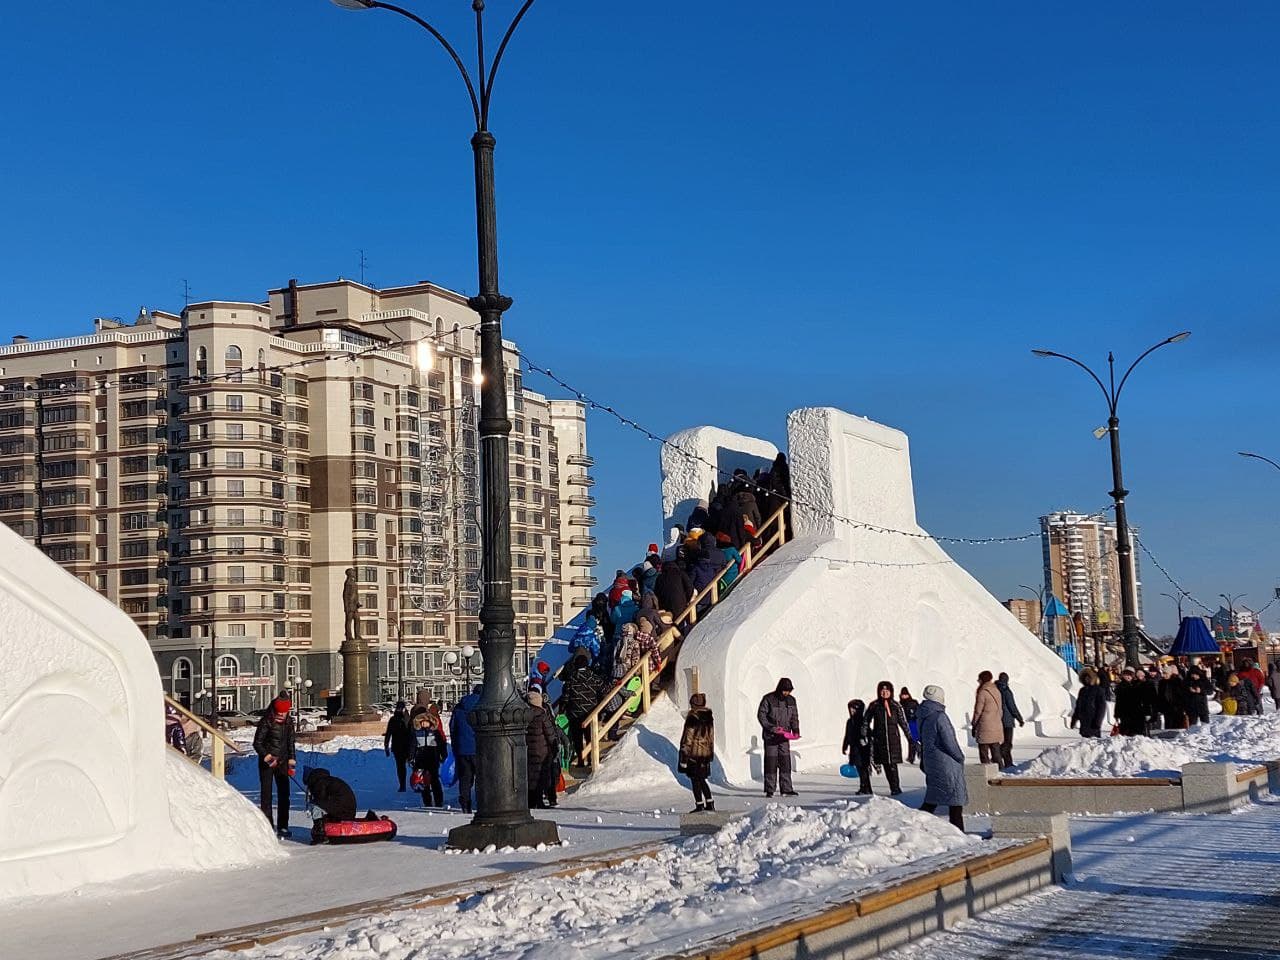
x=1254 y=676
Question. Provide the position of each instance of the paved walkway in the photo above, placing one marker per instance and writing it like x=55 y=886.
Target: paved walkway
x=1172 y=886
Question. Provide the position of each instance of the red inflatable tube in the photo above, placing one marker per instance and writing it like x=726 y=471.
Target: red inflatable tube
x=356 y=831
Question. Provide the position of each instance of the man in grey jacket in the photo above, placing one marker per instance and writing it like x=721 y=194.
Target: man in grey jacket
x=779 y=725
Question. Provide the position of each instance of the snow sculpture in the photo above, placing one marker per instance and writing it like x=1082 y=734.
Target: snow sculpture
x=843 y=606
x=687 y=471
x=84 y=792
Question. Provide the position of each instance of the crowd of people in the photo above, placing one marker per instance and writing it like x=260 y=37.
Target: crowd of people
x=1170 y=695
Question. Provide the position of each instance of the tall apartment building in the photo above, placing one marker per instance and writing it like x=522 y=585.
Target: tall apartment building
x=216 y=473
x=1082 y=569
x=1028 y=612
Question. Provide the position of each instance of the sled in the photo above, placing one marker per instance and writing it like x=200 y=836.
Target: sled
x=849 y=771
x=368 y=830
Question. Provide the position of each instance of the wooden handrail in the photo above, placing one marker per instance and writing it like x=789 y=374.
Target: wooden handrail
x=217 y=760
x=674 y=633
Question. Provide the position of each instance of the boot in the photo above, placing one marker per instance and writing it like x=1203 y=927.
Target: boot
x=698 y=807
x=711 y=806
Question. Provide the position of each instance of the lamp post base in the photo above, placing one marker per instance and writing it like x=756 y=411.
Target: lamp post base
x=479 y=836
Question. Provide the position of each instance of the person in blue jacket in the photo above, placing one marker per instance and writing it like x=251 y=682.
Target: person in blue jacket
x=464 y=746
x=941 y=758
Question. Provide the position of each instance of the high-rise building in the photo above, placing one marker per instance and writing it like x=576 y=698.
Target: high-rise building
x=216 y=473
x=1027 y=611
x=1082 y=569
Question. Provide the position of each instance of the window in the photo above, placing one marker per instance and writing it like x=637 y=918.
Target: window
x=292 y=671
x=182 y=669
x=235 y=574
x=235 y=518
x=135 y=521
x=235 y=603
x=228 y=668
x=265 y=666
x=235 y=546
x=233 y=355
x=235 y=630
x=235 y=402
x=235 y=460
x=134 y=578
x=235 y=488
x=235 y=431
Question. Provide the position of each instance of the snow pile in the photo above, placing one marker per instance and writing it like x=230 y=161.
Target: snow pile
x=751 y=872
x=216 y=827
x=1244 y=741
x=644 y=762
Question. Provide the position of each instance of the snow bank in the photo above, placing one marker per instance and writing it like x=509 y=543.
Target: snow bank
x=216 y=827
x=753 y=870
x=88 y=790
x=1243 y=741
x=644 y=763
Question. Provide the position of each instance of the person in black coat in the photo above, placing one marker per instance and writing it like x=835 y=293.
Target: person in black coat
x=541 y=744
x=1134 y=704
x=397 y=740
x=1199 y=689
x=673 y=589
x=779 y=720
x=274 y=745
x=332 y=795
x=856 y=745
x=582 y=691
x=1091 y=705
x=698 y=750
x=1172 y=700
x=881 y=728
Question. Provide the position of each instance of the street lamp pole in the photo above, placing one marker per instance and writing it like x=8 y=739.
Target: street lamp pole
x=501 y=718
x=1178 y=601
x=1231 y=612
x=1039 y=595
x=1124 y=544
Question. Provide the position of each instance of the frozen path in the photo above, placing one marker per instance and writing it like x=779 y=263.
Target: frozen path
x=1174 y=887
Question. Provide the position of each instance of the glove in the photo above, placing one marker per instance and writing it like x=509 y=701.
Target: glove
x=1021 y=723
x=269 y=760
x=388 y=752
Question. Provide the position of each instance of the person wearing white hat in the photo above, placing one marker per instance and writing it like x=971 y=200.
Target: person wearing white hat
x=941 y=758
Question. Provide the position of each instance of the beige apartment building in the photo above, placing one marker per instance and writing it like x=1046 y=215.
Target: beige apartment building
x=216 y=473
x=1028 y=612
x=1082 y=569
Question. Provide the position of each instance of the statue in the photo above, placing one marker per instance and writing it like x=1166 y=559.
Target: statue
x=351 y=608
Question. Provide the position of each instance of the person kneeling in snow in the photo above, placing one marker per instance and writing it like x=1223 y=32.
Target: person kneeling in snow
x=332 y=797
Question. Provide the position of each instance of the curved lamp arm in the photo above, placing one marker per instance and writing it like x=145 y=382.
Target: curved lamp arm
x=1111 y=405
x=1258 y=456
x=1176 y=338
x=487 y=91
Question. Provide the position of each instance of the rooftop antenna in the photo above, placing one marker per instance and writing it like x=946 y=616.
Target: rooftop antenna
x=363 y=263
x=186 y=294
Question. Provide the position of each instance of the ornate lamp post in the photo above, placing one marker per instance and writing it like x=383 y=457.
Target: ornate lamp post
x=502 y=815
x=1124 y=545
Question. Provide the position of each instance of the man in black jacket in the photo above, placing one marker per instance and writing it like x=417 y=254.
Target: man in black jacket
x=779 y=725
x=673 y=588
x=1135 y=701
x=273 y=743
x=583 y=688
x=398 y=740
x=332 y=795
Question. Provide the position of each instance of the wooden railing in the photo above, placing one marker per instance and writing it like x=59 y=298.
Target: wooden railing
x=669 y=641
x=218 y=758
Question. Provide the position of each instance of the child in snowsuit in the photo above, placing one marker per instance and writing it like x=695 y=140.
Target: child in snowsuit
x=856 y=745
x=430 y=750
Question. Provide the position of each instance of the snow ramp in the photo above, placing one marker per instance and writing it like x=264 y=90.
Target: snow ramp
x=88 y=790
x=862 y=594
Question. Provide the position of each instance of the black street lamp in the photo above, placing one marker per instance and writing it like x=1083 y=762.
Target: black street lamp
x=1231 y=613
x=1124 y=546
x=501 y=718
x=1178 y=601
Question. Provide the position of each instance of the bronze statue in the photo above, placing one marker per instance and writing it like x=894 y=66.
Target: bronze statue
x=351 y=607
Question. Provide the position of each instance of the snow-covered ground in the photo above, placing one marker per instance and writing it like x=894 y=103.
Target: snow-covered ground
x=1244 y=741
x=750 y=872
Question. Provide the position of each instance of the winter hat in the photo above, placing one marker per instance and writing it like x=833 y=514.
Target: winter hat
x=535 y=697
x=281 y=706
x=544 y=667
x=698 y=700
x=784 y=685
x=643 y=625
x=653 y=548
x=934 y=692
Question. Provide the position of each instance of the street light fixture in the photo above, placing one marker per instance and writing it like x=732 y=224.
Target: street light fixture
x=1178 y=600
x=1124 y=545
x=1258 y=456
x=1231 y=613
x=502 y=817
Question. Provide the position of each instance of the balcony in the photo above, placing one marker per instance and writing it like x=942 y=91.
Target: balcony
x=581 y=500
x=582 y=521
x=580 y=480
x=583 y=560
x=581 y=540
x=583 y=581
x=580 y=460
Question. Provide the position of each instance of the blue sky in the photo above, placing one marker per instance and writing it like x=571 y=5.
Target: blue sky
x=717 y=212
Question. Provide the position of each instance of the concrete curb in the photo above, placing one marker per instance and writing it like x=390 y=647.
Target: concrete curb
x=1202 y=788
x=874 y=922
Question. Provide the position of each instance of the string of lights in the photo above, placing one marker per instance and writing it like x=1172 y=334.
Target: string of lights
x=1182 y=591
x=631 y=423
x=421 y=345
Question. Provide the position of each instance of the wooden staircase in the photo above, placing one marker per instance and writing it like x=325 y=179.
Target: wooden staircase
x=603 y=728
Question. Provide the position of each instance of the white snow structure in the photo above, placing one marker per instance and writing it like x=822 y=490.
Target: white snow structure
x=88 y=790
x=687 y=471
x=844 y=606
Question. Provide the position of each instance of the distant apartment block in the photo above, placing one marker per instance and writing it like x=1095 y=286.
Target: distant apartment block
x=1027 y=611
x=216 y=472
x=1082 y=569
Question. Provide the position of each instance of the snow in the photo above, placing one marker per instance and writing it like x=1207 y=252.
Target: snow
x=688 y=472
x=845 y=605
x=216 y=826
x=1243 y=741
x=89 y=793
x=749 y=872
x=643 y=763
